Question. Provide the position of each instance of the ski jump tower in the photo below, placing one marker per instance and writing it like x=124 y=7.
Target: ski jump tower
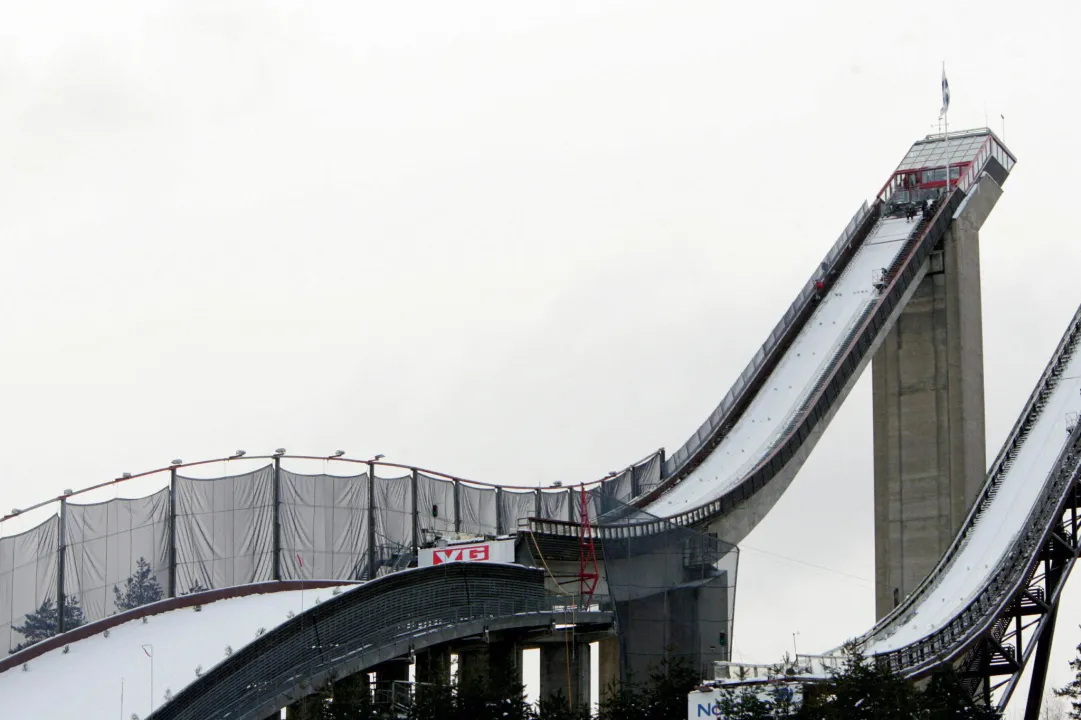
x=929 y=440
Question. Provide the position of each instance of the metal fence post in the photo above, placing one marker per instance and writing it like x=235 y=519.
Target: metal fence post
x=172 y=533
x=457 y=506
x=416 y=515
x=61 y=599
x=537 y=504
x=277 y=522
x=371 y=521
x=500 y=521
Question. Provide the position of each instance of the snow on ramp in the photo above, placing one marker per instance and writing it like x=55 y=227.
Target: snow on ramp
x=90 y=678
x=793 y=379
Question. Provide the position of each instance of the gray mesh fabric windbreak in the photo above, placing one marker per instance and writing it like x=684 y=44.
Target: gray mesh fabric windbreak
x=593 y=504
x=647 y=475
x=105 y=542
x=616 y=492
x=477 y=505
x=435 y=505
x=556 y=505
x=324 y=521
x=27 y=577
x=393 y=520
x=515 y=505
x=224 y=530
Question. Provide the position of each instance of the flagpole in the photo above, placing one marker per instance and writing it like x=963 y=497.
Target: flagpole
x=946 y=120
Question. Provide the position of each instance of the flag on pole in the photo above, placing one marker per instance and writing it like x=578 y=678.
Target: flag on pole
x=945 y=93
x=148 y=652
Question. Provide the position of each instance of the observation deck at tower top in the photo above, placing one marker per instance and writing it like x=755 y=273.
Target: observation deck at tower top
x=965 y=154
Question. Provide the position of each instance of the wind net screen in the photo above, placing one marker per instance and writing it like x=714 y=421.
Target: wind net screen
x=614 y=495
x=28 y=585
x=647 y=475
x=393 y=523
x=478 y=509
x=593 y=504
x=435 y=507
x=110 y=544
x=224 y=530
x=556 y=504
x=673 y=589
x=324 y=527
x=516 y=505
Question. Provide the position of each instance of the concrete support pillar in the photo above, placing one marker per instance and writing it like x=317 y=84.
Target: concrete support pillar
x=929 y=446
x=560 y=663
x=505 y=663
x=498 y=663
x=608 y=665
x=433 y=666
x=473 y=665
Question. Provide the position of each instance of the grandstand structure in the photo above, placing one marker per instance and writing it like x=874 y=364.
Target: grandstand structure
x=974 y=584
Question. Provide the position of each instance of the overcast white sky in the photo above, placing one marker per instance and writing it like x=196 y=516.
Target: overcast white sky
x=517 y=243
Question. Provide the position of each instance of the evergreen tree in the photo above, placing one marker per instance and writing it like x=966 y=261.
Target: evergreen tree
x=42 y=623
x=1072 y=691
x=622 y=701
x=433 y=702
x=743 y=703
x=140 y=588
x=665 y=692
x=946 y=699
x=861 y=691
x=556 y=707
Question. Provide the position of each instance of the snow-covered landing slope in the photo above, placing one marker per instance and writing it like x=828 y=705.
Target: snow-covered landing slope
x=995 y=531
x=805 y=362
x=86 y=679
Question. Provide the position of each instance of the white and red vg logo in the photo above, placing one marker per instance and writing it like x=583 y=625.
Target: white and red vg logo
x=466 y=553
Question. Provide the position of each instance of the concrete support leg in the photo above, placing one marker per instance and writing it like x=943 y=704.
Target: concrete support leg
x=564 y=670
x=473 y=666
x=505 y=663
x=927 y=380
x=608 y=665
x=433 y=666
x=498 y=663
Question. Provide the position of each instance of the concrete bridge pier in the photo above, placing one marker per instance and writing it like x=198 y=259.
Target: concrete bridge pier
x=433 y=666
x=497 y=663
x=608 y=665
x=564 y=669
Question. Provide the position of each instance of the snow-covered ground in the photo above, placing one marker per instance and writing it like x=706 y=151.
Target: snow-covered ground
x=104 y=678
x=755 y=433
